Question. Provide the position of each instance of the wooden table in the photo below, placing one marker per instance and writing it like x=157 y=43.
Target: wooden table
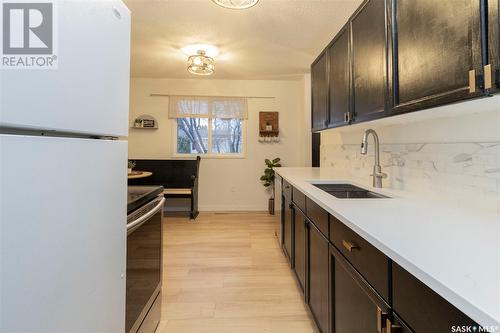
x=139 y=174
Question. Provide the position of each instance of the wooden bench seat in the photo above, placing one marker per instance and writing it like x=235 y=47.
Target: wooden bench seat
x=177 y=191
x=179 y=178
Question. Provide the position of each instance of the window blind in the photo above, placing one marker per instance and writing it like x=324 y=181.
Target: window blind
x=208 y=107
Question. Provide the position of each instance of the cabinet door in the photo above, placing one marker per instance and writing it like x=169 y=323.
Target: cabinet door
x=318 y=277
x=369 y=58
x=288 y=229
x=355 y=308
x=282 y=219
x=300 y=247
x=436 y=44
x=421 y=307
x=319 y=92
x=339 y=79
x=492 y=73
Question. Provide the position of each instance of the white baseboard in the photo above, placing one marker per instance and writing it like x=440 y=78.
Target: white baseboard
x=231 y=208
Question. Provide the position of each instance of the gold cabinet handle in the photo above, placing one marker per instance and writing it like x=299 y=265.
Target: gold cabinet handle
x=472 y=81
x=487 y=77
x=350 y=246
x=382 y=320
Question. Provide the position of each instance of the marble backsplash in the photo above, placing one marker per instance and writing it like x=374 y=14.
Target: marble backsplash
x=465 y=175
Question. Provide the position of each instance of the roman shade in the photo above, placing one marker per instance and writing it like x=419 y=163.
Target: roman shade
x=208 y=107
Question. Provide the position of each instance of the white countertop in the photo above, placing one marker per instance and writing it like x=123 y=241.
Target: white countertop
x=456 y=253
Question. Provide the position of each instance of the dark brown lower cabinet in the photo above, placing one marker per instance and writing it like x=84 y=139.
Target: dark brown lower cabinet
x=355 y=305
x=422 y=308
x=300 y=247
x=318 y=277
x=348 y=284
x=287 y=228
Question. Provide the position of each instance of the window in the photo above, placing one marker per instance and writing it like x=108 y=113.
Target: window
x=211 y=126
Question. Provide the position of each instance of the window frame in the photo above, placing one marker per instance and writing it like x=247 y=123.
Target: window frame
x=210 y=154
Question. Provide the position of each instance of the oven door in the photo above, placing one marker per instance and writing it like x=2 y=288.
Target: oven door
x=144 y=261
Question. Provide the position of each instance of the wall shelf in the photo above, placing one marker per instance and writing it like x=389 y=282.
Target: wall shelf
x=145 y=122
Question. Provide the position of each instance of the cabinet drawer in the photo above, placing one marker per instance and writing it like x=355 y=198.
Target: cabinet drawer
x=422 y=308
x=368 y=260
x=299 y=199
x=287 y=189
x=317 y=215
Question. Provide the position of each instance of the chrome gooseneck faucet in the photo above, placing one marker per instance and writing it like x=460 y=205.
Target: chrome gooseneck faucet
x=378 y=175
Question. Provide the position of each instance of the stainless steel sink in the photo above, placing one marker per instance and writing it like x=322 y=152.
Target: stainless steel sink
x=348 y=191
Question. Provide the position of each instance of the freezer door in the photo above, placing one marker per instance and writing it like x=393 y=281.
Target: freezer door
x=62 y=235
x=88 y=93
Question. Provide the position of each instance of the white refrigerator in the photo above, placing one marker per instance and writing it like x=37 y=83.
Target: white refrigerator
x=63 y=178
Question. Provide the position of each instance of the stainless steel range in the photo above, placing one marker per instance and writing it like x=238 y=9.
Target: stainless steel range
x=144 y=258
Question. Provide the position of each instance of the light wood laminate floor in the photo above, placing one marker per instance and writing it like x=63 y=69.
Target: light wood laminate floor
x=226 y=273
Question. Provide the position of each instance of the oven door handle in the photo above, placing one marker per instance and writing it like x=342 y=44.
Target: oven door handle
x=137 y=223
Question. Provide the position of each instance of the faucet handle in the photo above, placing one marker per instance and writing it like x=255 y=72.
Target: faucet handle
x=382 y=175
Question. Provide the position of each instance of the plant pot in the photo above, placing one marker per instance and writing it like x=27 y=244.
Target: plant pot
x=129 y=170
x=271 y=206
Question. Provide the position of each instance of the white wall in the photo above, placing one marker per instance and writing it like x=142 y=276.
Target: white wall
x=225 y=184
x=306 y=117
x=450 y=154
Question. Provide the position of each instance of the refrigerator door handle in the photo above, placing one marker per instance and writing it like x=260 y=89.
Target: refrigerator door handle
x=137 y=223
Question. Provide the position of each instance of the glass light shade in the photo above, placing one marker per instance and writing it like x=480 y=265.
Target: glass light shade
x=236 y=4
x=200 y=64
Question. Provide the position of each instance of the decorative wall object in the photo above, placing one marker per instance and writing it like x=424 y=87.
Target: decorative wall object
x=269 y=127
x=145 y=122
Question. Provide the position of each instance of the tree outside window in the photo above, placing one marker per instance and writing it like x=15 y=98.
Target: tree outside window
x=209 y=125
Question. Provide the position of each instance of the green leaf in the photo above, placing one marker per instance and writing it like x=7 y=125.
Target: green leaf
x=276 y=160
x=263 y=178
x=267 y=184
x=277 y=165
x=267 y=161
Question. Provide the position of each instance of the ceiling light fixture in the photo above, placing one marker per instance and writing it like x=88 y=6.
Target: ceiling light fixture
x=210 y=50
x=201 y=64
x=236 y=4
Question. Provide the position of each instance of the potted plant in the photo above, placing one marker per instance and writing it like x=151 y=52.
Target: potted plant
x=267 y=179
x=131 y=165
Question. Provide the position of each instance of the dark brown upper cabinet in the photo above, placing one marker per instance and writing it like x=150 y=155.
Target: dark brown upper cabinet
x=437 y=52
x=339 y=87
x=369 y=60
x=492 y=69
x=319 y=92
x=396 y=56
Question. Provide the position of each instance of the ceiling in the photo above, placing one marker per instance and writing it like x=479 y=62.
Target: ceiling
x=276 y=39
